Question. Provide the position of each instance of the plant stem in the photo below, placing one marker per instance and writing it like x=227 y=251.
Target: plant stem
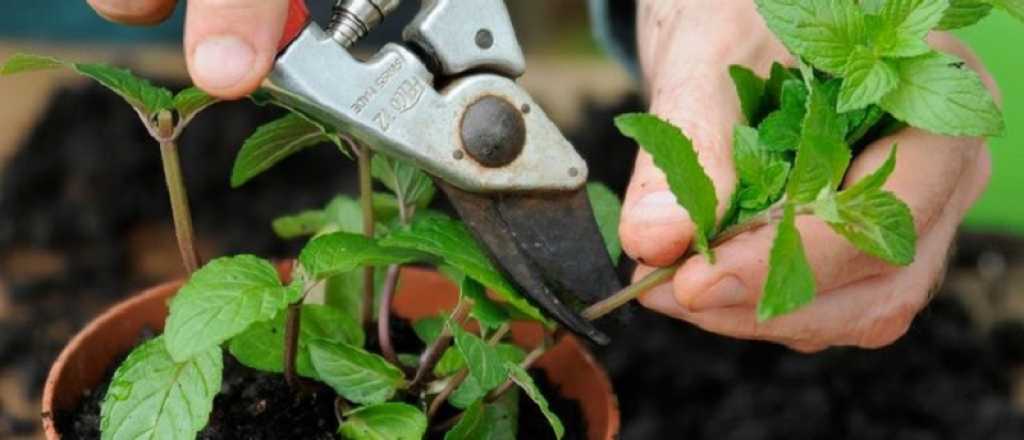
x=366 y=201
x=176 y=189
x=659 y=276
x=430 y=357
x=291 y=342
x=384 y=315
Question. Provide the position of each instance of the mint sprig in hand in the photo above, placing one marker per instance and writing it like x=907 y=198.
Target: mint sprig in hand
x=866 y=70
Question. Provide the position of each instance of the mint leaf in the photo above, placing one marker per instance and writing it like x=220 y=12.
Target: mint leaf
x=22 y=63
x=963 y=13
x=823 y=156
x=355 y=374
x=762 y=172
x=939 y=94
x=876 y=221
x=409 y=184
x=153 y=397
x=221 y=300
x=523 y=379
x=607 y=211
x=485 y=363
x=147 y=99
x=261 y=346
x=451 y=241
x=274 y=142
x=1013 y=7
x=189 y=102
x=790 y=282
x=429 y=329
x=823 y=32
x=303 y=224
x=773 y=87
x=472 y=425
x=340 y=252
x=750 y=88
x=385 y=421
x=780 y=130
x=674 y=154
x=905 y=23
x=867 y=79
x=487 y=312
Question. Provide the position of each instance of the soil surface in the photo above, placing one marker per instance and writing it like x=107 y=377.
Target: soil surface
x=84 y=222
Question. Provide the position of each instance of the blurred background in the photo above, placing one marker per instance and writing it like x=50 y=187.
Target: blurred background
x=84 y=222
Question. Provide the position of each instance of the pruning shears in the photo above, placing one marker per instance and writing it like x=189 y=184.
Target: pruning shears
x=447 y=101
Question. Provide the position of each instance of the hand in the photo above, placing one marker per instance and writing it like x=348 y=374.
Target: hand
x=230 y=45
x=685 y=50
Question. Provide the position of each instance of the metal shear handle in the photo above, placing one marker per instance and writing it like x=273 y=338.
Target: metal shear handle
x=481 y=132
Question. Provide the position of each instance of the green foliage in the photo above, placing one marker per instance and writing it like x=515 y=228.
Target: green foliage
x=790 y=282
x=491 y=421
x=762 y=172
x=189 y=102
x=385 y=421
x=673 y=151
x=221 y=300
x=261 y=346
x=963 y=13
x=523 y=379
x=429 y=329
x=355 y=374
x=153 y=397
x=751 y=90
x=452 y=242
x=342 y=252
x=607 y=210
x=274 y=142
x=488 y=313
x=822 y=156
x=485 y=363
x=409 y=184
x=824 y=32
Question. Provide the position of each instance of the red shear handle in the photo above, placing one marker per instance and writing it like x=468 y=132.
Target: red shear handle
x=298 y=17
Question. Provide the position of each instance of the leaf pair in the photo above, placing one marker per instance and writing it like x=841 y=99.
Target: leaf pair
x=878 y=48
x=147 y=100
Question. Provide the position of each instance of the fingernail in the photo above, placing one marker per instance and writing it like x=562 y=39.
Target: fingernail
x=727 y=292
x=657 y=208
x=222 y=61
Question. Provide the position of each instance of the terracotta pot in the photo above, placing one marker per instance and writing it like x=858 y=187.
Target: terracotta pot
x=84 y=362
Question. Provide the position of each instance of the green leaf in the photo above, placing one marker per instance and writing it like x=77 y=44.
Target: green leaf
x=494 y=421
x=876 y=221
x=153 y=397
x=355 y=374
x=750 y=88
x=385 y=421
x=261 y=346
x=408 y=183
x=762 y=172
x=486 y=311
x=274 y=142
x=823 y=156
x=905 y=23
x=303 y=224
x=780 y=130
x=790 y=281
x=472 y=425
x=429 y=329
x=340 y=252
x=1013 y=7
x=773 y=87
x=485 y=363
x=674 y=154
x=22 y=62
x=190 y=102
x=939 y=94
x=824 y=32
x=963 y=13
x=607 y=210
x=221 y=300
x=523 y=379
x=452 y=242
x=867 y=79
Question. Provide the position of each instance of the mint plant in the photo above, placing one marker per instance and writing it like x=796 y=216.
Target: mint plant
x=166 y=386
x=865 y=71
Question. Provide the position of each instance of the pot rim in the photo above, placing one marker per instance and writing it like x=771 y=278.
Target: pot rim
x=572 y=383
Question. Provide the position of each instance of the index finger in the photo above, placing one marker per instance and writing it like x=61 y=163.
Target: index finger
x=134 y=12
